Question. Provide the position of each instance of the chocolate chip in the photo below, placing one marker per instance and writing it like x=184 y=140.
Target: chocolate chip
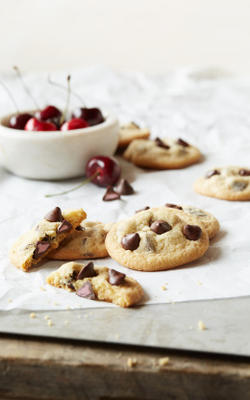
x=244 y=172
x=211 y=173
x=80 y=228
x=170 y=205
x=86 y=291
x=160 y=143
x=41 y=247
x=182 y=142
x=192 y=232
x=124 y=187
x=135 y=125
x=64 y=227
x=160 y=227
x=239 y=186
x=70 y=286
x=54 y=215
x=115 y=277
x=87 y=271
x=130 y=241
x=143 y=209
x=110 y=194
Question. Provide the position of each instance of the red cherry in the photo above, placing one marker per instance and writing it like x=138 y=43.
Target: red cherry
x=108 y=169
x=35 y=125
x=92 y=115
x=75 y=123
x=48 y=112
x=18 y=121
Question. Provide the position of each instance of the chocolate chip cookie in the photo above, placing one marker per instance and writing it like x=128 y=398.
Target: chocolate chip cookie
x=130 y=132
x=97 y=283
x=87 y=241
x=162 y=153
x=227 y=183
x=157 y=239
x=37 y=243
x=210 y=223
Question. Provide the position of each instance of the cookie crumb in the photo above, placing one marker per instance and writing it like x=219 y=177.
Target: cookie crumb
x=55 y=303
x=163 y=287
x=131 y=362
x=163 y=361
x=46 y=317
x=32 y=315
x=199 y=283
x=50 y=323
x=10 y=301
x=66 y=322
x=117 y=336
x=201 y=326
x=42 y=288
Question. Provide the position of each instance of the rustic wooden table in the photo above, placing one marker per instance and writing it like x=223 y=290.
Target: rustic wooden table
x=52 y=369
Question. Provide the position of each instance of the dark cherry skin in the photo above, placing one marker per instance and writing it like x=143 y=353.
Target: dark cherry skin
x=34 y=125
x=74 y=123
x=92 y=115
x=49 y=112
x=19 y=121
x=109 y=171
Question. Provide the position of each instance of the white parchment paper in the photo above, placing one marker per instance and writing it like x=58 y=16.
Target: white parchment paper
x=210 y=111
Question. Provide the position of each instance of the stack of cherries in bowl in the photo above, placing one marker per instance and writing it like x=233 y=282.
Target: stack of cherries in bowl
x=51 y=118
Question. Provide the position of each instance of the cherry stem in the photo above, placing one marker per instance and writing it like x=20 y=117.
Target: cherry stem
x=64 y=114
x=75 y=187
x=27 y=90
x=10 y=95
x=77 y=96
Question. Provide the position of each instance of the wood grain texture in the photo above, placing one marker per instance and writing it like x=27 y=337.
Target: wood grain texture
x=33 y=369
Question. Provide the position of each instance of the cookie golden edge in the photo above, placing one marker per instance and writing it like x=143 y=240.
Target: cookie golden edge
x=14 y=256
x=158 y=262
x=199 y=188
x=131 y=291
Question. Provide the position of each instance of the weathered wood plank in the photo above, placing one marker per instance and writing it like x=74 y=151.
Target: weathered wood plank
x=33 y=369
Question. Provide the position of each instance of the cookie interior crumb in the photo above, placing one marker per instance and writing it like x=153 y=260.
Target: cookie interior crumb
x=201 y=326
x=131 y=362
x=163 y=361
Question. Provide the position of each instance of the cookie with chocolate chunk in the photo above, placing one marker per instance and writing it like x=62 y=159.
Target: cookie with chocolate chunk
x=164 y=153
x=97 y=283
x=130 y=132
x=209 y=221
x=157 y=239
x=226 y=183
x=37 y=243
x=86 y=241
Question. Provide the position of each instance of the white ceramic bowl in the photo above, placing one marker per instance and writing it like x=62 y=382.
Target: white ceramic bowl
x=56 y=154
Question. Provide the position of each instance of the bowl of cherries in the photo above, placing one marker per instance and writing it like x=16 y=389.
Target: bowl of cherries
x=49 y=143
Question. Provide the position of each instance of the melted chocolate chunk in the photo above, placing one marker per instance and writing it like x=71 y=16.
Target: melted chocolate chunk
x=244 y=172
x=86 y=291
x=87 y=271
x=192 y=232
x=160 y=143
x=182 y=142
x=124 y=187
x=41 y=247
x=238 y=186
x=131 y=241
x=54 y=215
x=143 y=209
x=170 y=205
x=160 y=227
x=211 y=173
x=64 y=227
x=110 y=194
x=115 y=277
x=80 y=228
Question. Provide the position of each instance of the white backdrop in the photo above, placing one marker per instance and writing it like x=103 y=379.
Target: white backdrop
x=146 y=35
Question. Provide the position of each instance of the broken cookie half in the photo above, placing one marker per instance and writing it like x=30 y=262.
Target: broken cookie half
x=37 y=243
x=97 y=283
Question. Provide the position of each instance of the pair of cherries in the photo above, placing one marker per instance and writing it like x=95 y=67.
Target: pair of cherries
x=48 y=119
